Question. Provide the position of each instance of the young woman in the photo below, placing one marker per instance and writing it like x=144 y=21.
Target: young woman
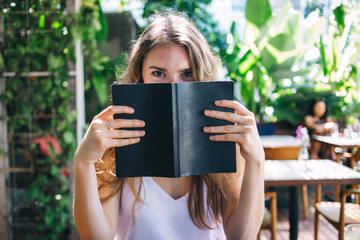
x=211 y=206
x=315 y=121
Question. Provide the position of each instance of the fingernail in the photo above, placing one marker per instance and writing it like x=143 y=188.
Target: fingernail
x=212 y=137
x=131 y=110
x=206 y=129
x=135 y=139
x=141 y=133
x=217 y=102
x=141 y=123
x=207 y=112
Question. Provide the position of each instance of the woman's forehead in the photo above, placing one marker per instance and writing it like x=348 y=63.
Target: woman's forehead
x=168 y=54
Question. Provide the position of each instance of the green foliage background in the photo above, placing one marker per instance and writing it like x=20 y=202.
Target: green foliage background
x=41 y=38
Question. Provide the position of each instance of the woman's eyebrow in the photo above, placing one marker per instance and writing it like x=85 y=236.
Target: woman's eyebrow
x=164 y=69
x=158 y=68
x=185 y=70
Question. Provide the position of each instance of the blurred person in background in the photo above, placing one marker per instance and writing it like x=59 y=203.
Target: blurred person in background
x=318 y=122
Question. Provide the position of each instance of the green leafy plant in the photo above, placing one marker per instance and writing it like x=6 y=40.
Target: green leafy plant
x=91 y=28
x=270 y=58
x=39 y=48
x=336 y=77
x=339 y=51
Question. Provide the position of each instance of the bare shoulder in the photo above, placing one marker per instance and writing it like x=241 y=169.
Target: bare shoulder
x=309 y=118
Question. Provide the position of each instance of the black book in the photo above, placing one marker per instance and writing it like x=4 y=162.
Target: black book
x=174 y=144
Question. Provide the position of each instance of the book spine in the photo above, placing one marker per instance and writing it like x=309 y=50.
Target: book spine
x=175 y=117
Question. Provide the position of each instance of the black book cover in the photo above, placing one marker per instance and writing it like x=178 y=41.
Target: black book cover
x=174 y=144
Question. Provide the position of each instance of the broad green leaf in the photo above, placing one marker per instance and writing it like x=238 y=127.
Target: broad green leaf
x=335 y=55
x=286 y=73
x=233 y=31
x=282 y=56
x=287 y=64
x=323 y=57
x=282 y=42
x=100 y=87
x=276 y=25
x=258 y=12
x=247 y=62
x=101 y=35
x=268 y=59
x=339 y=14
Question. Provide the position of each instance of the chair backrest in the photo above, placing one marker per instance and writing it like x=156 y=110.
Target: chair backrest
x=282 y=153
x=355 y=157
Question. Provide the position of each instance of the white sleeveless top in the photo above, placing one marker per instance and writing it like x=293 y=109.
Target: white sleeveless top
x=160 y=217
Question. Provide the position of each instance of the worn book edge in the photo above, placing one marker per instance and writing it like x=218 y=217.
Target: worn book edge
x=175 y=116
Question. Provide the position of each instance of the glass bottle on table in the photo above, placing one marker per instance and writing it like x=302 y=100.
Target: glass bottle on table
x=335 y=130
x=303 y=154
x=303 y=139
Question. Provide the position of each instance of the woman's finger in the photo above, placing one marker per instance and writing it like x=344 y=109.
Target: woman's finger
x=239 y=108
x=225 y=129
x=122 y=142
x=125 y=134
x=124 y=123
x=230 y=117
x=227 y=138
x=108 y=112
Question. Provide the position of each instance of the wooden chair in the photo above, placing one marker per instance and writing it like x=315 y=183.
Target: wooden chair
x=270 y=217
x=288 y=153
x=338 y=214
x=353 y=157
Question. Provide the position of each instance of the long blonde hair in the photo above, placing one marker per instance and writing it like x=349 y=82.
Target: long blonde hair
x=173 y=29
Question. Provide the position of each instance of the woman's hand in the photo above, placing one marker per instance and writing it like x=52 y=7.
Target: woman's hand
x=244 y=132
x=243 y=215
x=104 y=133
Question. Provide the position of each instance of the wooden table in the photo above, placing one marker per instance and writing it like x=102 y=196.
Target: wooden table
x=292 y=174
x=338 y=142
x=342 y=142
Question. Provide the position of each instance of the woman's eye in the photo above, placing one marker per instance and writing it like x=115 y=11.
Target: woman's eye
x=158 y=74
x=187 y=74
